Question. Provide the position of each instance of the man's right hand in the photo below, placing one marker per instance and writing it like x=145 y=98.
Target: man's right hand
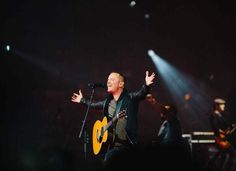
x=77 y=97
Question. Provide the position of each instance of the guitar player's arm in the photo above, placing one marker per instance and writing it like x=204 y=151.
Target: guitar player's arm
x=95 y=105
x=141 y=94
x=78 y=98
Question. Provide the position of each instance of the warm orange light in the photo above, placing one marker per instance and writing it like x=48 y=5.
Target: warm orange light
x=187 y=96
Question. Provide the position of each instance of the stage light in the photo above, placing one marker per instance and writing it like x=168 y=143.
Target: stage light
x=187 y=96
x=190 y=96
x=151 y=53
x=146 y=16
x=8 y=48
x=132 y=3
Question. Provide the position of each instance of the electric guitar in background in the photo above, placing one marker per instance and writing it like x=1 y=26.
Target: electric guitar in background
x=222 y=139
x=100 y=131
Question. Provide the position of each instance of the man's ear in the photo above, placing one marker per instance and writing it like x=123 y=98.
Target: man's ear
x=121 y=84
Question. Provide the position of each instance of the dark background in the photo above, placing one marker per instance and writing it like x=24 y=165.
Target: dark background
x=58 y=47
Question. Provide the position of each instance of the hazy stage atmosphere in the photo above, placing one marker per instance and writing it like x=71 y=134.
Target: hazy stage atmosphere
x=51 y=49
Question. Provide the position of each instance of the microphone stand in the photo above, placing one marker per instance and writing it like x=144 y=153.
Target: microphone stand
x=86 y=137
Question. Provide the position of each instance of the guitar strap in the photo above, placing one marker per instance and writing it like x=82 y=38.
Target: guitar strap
x=118 y=107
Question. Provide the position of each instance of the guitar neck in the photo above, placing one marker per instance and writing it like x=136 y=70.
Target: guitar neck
x=110 y=123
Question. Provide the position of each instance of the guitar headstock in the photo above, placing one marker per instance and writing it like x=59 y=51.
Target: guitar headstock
x=121 y=114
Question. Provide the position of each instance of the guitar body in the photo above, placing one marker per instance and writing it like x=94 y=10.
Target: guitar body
x=99 y=136
x=100 y=131
x=223 y=144
x=221 y=139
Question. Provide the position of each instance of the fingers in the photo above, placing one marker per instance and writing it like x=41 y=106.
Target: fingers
x=153 y=75
x=74 y=95
x=150 y=79
x=147 y=74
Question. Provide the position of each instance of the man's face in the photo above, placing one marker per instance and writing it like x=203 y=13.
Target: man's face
x=222 y=107
x=150 y=99
x=114 y=83
x=162 y=115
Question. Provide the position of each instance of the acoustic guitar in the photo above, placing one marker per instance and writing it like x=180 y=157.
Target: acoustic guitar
x=100 y=131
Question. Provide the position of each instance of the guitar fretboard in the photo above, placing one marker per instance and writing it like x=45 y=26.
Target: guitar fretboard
x=117 y=116
x=110 y=123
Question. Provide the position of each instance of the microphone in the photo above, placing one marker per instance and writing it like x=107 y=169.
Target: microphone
x=95 y=85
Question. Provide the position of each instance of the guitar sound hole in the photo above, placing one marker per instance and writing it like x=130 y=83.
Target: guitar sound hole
x=101 y=135
x=97 y=136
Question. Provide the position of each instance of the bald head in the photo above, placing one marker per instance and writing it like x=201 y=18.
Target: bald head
x=115 y=82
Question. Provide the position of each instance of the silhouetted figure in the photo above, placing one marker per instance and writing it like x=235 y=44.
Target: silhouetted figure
x=224 y=136
x=170 y=132
x=169 y=149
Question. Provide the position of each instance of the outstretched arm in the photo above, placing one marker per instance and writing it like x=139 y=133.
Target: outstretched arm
x=141 y=94
x=78 y=98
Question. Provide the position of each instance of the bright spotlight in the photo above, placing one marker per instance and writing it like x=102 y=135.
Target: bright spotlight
x=7 y=48
x=151 y=53
x=191 y=100
x=132 y=3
